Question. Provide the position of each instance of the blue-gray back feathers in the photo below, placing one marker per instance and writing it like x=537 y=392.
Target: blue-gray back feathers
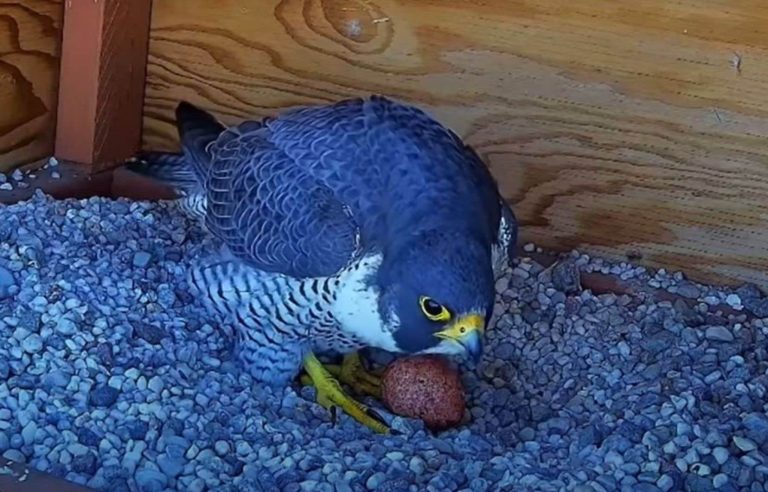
x=273 y=214
x=301 y=193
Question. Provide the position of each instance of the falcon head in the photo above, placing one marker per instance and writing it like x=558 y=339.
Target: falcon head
x=438 y=294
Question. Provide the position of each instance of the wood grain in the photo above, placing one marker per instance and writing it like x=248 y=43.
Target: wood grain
x=29 y=63
x=611 y=126
x=101 y=88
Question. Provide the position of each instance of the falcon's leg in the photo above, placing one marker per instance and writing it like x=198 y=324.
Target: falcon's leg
x=330 y=395
x=353 y=373
x=271 y=353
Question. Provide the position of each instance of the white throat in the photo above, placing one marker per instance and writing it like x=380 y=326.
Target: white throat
x=356 y=307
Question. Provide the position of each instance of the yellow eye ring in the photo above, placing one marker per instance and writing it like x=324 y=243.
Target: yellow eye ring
x=433 y=310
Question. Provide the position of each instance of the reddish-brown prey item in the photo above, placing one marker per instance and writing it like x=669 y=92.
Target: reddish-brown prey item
x=424 y=387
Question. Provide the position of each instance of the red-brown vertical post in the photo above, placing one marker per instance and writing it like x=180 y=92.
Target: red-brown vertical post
x=101 y=87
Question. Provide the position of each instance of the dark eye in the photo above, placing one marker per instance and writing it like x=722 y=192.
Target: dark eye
x=434 y=310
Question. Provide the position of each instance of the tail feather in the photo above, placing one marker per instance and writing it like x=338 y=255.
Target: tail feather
x=167 y=167
x=197 y=129
x=185 y=171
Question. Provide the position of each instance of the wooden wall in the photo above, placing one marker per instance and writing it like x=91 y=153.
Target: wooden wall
x=30 y=32
x=613 y=127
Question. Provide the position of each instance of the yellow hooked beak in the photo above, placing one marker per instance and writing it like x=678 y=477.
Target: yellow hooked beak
x=467 y=331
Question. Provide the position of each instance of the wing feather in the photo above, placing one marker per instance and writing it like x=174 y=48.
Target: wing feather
x=272 y=213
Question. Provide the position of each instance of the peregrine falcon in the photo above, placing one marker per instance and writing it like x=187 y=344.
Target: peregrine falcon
x=360 y=223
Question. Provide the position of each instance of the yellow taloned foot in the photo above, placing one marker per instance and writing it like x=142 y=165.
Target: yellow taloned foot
x=352 y=373
x=331 y=396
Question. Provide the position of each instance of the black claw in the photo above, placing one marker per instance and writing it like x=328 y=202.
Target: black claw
x=333 y=416
x=375 y=415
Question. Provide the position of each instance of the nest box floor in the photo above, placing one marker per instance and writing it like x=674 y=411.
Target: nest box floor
x=113 y=376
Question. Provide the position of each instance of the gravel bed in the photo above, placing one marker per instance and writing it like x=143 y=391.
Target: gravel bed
x=111 y=375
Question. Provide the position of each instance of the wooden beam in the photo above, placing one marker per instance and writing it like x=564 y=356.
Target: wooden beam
x=17 y=477
x=101 y=88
